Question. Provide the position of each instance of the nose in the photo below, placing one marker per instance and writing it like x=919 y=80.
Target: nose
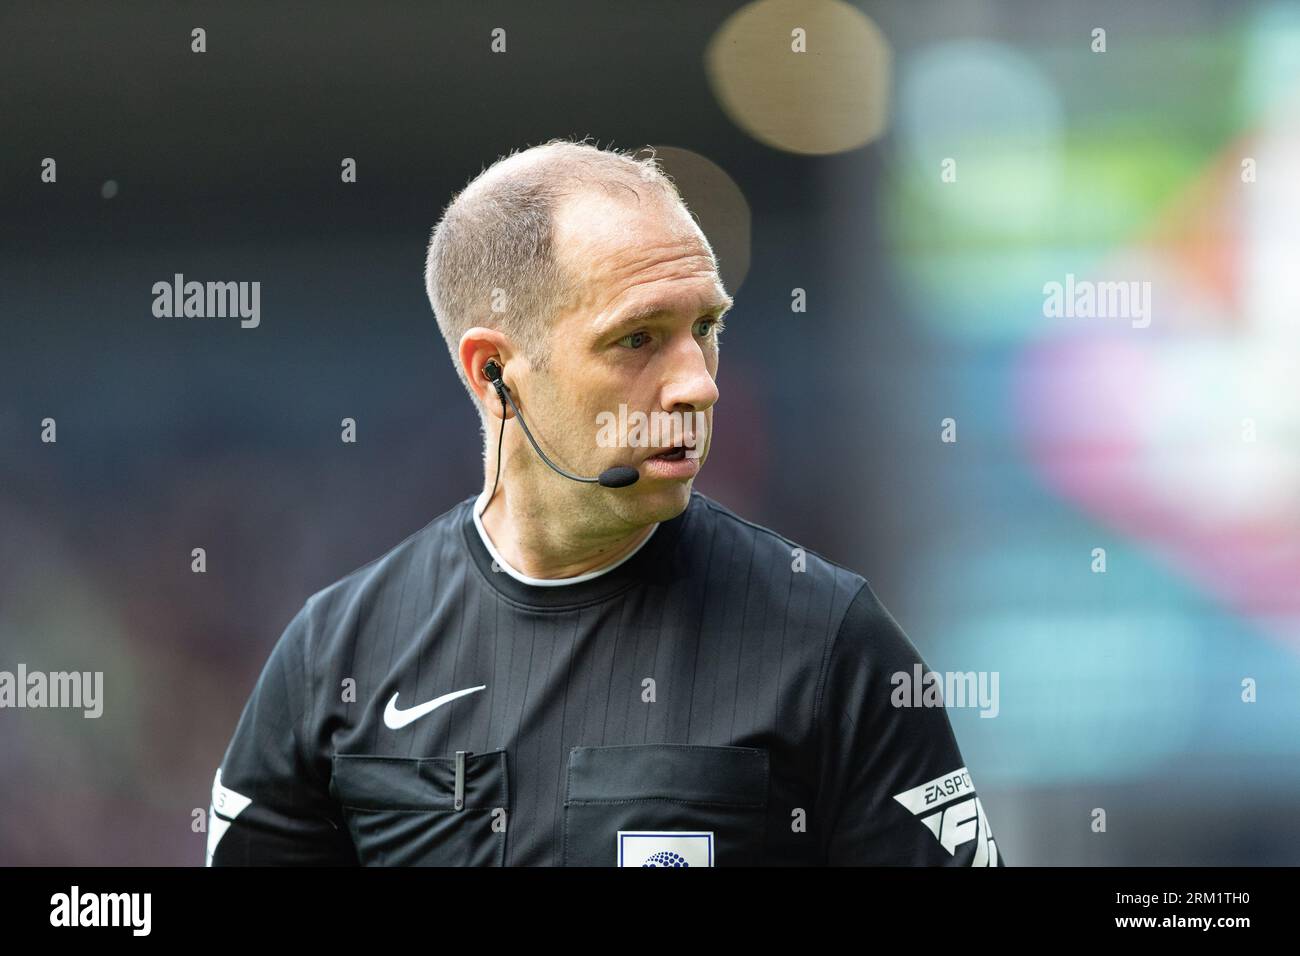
x=689 y=381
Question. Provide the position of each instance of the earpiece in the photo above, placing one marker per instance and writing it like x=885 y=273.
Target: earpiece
x=620 y=476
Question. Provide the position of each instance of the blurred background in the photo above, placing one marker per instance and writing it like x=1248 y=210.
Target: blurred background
x=919 y=170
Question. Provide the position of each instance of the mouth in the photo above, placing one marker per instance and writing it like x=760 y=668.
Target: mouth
x=671 y=464
x=676 y=453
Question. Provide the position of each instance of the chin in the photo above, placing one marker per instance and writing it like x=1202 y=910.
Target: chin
x=648 y=502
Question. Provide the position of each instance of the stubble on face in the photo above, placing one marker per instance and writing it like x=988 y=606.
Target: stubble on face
x=625 y=254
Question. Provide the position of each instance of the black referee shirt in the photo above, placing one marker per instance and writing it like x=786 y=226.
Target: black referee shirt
x=721 y=698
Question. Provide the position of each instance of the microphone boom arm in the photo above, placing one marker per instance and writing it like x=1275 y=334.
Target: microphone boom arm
x=504 y=391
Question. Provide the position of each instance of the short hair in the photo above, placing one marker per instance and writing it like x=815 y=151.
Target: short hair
x=493 y=245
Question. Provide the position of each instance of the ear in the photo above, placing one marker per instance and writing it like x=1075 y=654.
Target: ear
x=478 y=345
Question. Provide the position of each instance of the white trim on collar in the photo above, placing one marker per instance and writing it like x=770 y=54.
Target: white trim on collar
x=546 y=582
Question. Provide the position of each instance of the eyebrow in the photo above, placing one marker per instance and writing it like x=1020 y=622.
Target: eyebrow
x=654 y=310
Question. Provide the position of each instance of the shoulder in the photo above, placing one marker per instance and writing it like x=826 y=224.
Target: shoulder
x=768 y=543
x=357 y=593
x=832 y=608
x=778 y=560
x=862 y=624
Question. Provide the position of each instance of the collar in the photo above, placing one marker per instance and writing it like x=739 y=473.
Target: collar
x=477 y=507
x=645 y=564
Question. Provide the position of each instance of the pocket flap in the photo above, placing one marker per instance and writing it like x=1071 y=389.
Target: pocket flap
x=368 y=781
x=733 y=776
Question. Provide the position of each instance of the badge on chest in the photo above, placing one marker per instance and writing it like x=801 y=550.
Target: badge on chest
x=665 y=848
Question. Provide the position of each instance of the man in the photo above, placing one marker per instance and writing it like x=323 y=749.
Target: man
x=580 y=672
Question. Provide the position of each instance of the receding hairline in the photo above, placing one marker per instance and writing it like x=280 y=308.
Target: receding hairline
x=502 y=231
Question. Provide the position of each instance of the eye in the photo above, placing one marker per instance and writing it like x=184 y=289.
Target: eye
x=635 y=340
x=706 y=325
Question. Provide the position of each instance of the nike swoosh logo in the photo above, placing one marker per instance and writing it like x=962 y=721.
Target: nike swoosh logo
x=396 y=719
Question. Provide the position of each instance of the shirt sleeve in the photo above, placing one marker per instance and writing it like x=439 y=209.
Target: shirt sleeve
x=893 y=788
x=270 y=797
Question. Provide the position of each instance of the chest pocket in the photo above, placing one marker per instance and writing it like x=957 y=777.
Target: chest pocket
x=665 y=805
x=402 y=811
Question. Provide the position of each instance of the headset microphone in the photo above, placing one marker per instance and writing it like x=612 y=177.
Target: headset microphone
x=620 y=476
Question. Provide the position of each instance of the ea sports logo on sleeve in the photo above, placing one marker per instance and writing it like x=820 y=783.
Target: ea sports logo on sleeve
x=954 y=814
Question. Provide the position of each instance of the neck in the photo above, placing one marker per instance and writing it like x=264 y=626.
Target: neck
x=547 y=542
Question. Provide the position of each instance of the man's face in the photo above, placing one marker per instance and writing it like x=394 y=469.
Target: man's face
x=643 y=334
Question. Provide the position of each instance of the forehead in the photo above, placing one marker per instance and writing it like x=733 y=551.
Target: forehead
x=627 y=252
